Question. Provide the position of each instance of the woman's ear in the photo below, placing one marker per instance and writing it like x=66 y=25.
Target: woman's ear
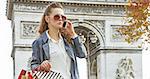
x=47 y=19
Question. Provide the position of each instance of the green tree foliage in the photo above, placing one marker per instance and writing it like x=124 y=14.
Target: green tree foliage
x=137 y=21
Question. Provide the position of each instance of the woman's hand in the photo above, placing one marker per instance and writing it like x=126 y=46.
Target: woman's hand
x=68 y=30
x=45 y=66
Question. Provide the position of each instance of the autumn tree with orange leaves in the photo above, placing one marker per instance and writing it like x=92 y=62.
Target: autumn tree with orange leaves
x=138 y=23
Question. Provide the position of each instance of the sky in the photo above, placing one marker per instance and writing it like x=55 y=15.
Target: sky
x=6 y=67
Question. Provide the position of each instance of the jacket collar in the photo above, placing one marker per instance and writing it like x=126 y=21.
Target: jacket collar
x=44 y=37
x=46 y=47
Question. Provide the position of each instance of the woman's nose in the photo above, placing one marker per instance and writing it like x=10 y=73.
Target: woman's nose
x=60 y=18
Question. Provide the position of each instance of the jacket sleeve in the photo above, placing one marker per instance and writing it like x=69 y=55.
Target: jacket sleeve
x=80 y=50
x=35 y=62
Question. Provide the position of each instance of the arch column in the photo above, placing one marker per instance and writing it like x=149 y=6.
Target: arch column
x=93 y=40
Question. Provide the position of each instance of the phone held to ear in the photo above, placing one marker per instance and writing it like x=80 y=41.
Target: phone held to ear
x=65 y=24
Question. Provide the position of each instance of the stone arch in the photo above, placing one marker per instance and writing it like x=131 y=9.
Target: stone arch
x=93 y=28
x=92 y=49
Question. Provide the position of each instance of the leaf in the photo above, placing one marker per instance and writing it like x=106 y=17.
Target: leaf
x=137 y=12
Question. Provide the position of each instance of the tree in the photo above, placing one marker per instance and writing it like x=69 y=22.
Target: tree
x=137 y=21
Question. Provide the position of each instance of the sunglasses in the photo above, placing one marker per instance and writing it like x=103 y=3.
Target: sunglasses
x=57 y=17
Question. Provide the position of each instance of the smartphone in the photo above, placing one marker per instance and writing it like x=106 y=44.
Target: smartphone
x=65 y=24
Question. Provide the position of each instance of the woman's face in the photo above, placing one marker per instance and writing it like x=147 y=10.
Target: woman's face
x=56 y=18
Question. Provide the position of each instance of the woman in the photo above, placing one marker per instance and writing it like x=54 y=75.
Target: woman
x=52 y=51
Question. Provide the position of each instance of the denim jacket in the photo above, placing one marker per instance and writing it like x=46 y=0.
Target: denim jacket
x=40 y=53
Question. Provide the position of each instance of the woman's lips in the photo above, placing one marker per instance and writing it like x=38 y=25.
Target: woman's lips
x=60 y=23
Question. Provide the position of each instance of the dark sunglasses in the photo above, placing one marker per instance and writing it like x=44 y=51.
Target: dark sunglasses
x=57 y=17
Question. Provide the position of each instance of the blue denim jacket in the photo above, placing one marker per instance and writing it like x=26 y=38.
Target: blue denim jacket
x=40 y=53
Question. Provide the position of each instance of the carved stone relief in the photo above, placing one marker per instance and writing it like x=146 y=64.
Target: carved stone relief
x=101 y=0
x=125 y=69
x=73 y=9
x=94 y=69
x=95 y=11
x=29 y=30
x=100 y=24
x=29 y=7
x=119 y=11
x=116 y=36
x=91 y=42
x=73 y=20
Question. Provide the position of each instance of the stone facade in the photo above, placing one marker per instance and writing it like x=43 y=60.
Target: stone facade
x=95 y=21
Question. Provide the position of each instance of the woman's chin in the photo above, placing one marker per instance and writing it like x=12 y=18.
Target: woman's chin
x=59 y=26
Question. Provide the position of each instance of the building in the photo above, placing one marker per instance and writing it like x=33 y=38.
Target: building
x=95 y=21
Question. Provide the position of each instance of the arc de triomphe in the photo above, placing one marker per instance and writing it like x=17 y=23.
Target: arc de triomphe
x=95 y=21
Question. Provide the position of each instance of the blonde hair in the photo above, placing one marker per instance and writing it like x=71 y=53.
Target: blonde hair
x=43 y=26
